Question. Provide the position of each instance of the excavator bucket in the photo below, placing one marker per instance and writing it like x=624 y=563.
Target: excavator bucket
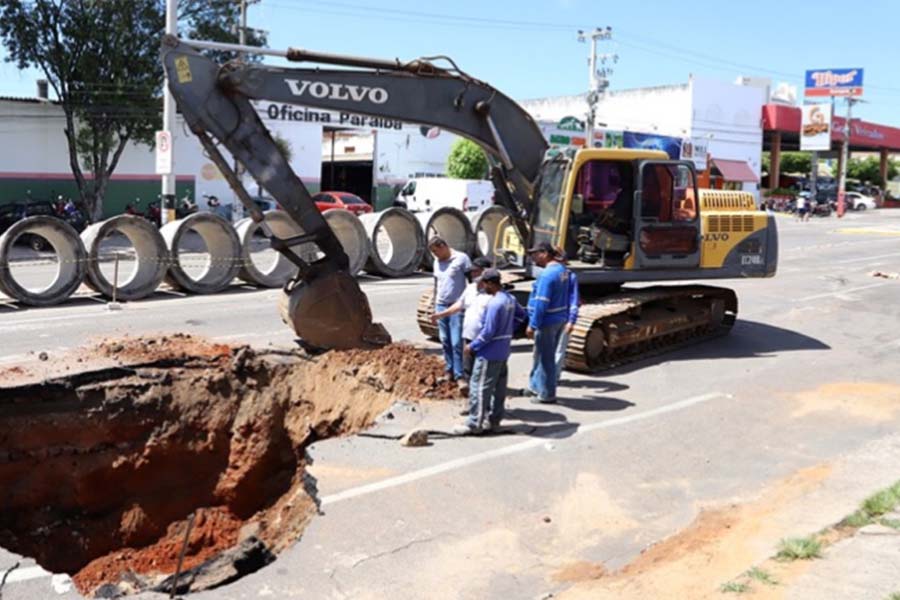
x=332 y=312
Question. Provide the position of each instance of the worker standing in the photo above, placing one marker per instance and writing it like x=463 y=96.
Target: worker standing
x=471 y=304
x=491 y=348
x=449 y=284
x=548 y=306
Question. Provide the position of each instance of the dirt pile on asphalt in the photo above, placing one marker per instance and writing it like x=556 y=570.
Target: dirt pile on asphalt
x=402 y=369
x=100 y=469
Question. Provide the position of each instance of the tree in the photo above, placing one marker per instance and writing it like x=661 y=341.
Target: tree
x=868 y=170
x=101 y=57
x=466 y=161
x=796 y=162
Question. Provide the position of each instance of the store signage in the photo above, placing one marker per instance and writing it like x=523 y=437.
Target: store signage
x=571 y=124
x=834 y=82
x=815 y=127
x=337 y=91
x=289 y=112
x=696 y=151
x=649 y=141
x=163 y=152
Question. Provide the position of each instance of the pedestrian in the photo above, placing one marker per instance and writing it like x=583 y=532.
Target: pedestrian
x=572 y=312
x=802 y=209
x=491 y=348
x=471 y=304
x=548 y=306
x=449 y=284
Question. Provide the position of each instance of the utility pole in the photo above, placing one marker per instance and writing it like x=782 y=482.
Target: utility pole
x=598 y=79
x=168 y=180
x=845 y=157
x=242 y=40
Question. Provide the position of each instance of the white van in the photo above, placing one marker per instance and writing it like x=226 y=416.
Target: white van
x=425 y=194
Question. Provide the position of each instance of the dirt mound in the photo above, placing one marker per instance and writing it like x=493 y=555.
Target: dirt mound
x=146 y=349
x=402 y=369
x=101 y=468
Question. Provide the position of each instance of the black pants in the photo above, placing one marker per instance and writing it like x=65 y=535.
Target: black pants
x=468 y=360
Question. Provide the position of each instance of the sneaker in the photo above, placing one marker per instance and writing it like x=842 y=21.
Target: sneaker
x=527 y=393
x=463 y=386
x=537 y=400
x=465 y=429
x=464 y=412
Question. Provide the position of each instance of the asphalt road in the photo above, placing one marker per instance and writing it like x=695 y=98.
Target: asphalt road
x=625 y=459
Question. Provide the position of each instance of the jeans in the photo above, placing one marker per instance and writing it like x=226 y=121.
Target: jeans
x=487 y=393
x=468 y=361
x=543 y=372
x=561 y=352
x=450 y=332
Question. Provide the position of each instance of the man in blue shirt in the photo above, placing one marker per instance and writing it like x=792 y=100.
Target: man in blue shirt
x=487 y=386
x=450 y=269
x=548 y=306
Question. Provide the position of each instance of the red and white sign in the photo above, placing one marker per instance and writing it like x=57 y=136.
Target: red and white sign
x=163 y=153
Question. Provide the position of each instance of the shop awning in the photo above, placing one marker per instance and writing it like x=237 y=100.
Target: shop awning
x=735 y=170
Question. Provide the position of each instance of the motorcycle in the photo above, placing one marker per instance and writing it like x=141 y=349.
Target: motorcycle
x=152 y=213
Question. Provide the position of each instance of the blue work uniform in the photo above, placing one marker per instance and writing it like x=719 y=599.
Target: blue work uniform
x=487 y=386
x=549 y=308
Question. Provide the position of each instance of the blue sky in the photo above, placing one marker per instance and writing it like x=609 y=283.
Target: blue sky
x=528 y=49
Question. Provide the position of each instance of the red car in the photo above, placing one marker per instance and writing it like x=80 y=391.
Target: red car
x=351 y=202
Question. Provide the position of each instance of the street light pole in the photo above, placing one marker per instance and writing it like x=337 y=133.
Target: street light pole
x=597 y=78
x=845 y=157
x=168 y=180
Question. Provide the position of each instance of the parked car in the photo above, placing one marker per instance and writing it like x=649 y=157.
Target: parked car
x=857 y=201
x=328 y=200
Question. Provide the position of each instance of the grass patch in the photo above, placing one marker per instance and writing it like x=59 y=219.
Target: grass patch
x=761 y=576
x=882 y=502
x=733 y=587
x=894 y=596
x=799 y=548
x=860 y=518
x=893 y=524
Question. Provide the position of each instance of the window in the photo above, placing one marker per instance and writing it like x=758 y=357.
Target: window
x=546 y=220
x=351 y=199
x=668 y=194
x=324 y=198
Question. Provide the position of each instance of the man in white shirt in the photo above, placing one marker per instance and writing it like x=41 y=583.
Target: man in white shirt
x=473 y=301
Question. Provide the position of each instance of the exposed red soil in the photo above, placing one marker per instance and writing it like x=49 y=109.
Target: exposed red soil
x=102 y=468
x=214 y=530
x=404 y=370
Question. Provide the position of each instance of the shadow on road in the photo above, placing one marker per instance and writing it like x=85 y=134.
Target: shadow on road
x=595 y=404
x=748 y=339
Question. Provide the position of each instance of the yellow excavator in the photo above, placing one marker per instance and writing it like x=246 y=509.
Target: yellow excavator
x=621 y=216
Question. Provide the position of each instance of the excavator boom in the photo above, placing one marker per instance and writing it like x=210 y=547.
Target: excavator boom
x=325 y=305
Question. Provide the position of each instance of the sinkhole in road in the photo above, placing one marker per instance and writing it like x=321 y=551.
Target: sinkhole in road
x=100 y=470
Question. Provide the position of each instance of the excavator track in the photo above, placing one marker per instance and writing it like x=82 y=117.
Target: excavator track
x=632 y=325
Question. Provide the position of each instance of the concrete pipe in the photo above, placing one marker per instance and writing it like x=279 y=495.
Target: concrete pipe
x=280 y=270
x=486 y=223
x=222 y=246
x=397 y=242
x=71 y=261
x=452 y=225
x=150 y=257
x=352 y=235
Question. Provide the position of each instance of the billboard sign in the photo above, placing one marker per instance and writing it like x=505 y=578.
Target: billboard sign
x=649 y=141
x=834 y=82
x=815 y=127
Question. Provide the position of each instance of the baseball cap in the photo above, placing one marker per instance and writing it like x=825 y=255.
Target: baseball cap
x=479 y=263
x=490 y=275
x=543 y=247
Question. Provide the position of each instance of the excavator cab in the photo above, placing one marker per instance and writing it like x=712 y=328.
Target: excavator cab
x=619 y=209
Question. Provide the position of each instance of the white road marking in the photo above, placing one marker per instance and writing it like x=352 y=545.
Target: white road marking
x=841 y=292
x=865 y=258
x=467 y=461
x=26 y=574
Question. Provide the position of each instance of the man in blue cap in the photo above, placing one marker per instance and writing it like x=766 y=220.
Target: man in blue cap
x=548 y=306
x=491 y=347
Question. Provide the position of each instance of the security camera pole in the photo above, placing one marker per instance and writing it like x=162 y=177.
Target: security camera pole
x=598 y=79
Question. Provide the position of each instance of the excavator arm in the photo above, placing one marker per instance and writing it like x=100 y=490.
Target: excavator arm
x=215 y=101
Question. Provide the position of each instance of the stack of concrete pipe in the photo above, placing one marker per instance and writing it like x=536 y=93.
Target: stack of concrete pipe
x=390 y=243
x=397 y=242
x=488 y=225
x=452 y=225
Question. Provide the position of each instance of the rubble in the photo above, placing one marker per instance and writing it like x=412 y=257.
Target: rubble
x=178 y=425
